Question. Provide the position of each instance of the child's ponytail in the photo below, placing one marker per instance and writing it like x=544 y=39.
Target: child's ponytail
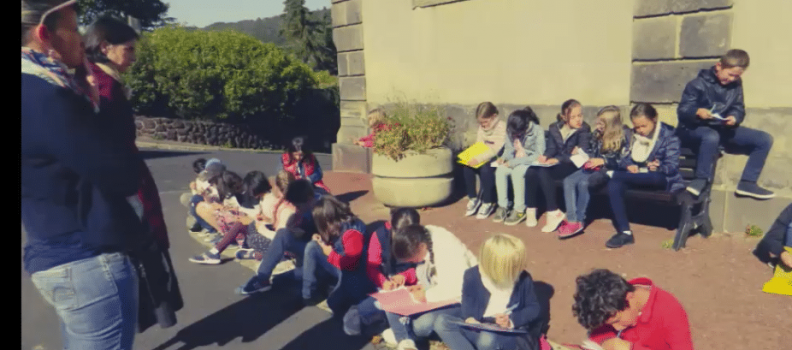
x=403 y=217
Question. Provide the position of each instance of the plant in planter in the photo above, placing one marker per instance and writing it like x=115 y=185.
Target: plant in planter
x=412 y=167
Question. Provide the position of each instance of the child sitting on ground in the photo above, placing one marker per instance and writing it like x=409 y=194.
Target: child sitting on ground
x=525 y=142
x=491 y=132
x=300 y=162
x=202 y=190
x=498 y=291
x=376 y=119
x=771 y=248
x=610 y=141
x=634 y=315
x=718 y=91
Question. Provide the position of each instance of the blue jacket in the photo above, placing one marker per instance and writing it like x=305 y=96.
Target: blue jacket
x=667 y=151
x=475 y=298
x=533 y=142
x=558 y=149
x=703 y=92
x=76 y=174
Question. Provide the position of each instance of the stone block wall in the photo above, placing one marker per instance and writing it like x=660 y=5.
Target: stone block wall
x=347 y=21
x=200 y=132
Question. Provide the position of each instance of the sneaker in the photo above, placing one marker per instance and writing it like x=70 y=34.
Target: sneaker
x=389 y=337
x=500 y=215
x=210 y=237
x=620 y=239
x=244 y=254
x=751 y=189
x=352 y=322
x=515 y=218
x=553 y=220
x=569 y=229
x=697 y=186
x=406 y=344
x=206 y=259
x=472 y=207
x=530 y=217
x=254 y=285
x=485 y=210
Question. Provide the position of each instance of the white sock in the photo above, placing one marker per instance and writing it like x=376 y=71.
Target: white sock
x=628 y=233
x=214 y=251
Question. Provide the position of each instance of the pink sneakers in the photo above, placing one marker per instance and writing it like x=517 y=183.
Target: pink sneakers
x=569 y=229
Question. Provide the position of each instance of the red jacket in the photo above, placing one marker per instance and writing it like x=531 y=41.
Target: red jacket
x=663 y=324
x=368 y=141
x=374 y=261
x=115 y=105
x=309 y=165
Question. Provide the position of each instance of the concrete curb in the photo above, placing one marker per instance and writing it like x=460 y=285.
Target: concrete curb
x=204 y=148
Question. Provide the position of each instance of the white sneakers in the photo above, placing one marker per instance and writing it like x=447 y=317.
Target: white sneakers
x=406 y=344
x=530 y=217
x=554 y=219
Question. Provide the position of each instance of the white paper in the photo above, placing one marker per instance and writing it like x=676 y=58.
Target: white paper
x=590 y=345
x=494 y=164
x=542 y=164
x=579 y=159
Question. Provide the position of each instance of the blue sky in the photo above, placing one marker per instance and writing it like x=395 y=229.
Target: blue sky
x=201 y=13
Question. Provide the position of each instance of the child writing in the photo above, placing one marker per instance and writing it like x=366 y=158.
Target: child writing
x=376 y=119
x=340 y=250
x=291 y=233
x=718 y=92
x=235 y=223
x=300 y=162
x=228 y=184
x=383 y=269
x=771 y=248
x=634 y=315
x=609 y=143
x=653 y=161
x=567 y=137
x=491 y=132
x=497 y=291
x=525 y=142
x=202 y=190
x=440 y=273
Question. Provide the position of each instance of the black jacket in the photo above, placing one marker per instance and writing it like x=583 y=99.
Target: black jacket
x=159 y=294
x=475 y=298
x=557 y=148
x=773 y=240
x=705 y=91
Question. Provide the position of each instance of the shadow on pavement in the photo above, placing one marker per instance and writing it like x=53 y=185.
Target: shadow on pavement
x=350 y=196
x=544 y=292
x=154 y=154
x=327 y=335
x=249 y=318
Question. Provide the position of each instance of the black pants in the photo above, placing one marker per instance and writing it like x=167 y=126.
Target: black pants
x=545 y=178
x=487 y=175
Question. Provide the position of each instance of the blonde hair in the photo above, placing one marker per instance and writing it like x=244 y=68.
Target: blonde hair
x=613 y=134
x=486 y=110
x=283 y=180
x=377 y=115
x=502 y=259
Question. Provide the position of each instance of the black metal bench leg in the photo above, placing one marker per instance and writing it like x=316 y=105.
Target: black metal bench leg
x=685 y=224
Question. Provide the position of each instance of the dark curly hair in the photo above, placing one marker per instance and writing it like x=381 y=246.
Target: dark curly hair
x=599 y=296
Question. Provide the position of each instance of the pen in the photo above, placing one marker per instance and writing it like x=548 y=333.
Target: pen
x=510 y=309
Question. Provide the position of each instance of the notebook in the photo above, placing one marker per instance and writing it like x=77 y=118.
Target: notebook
x=781 y=283
x=490 y=327
x=400 y=301
x=579 y=159
x=471 y=152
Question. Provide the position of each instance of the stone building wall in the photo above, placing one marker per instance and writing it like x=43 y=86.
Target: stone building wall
x=200 y=132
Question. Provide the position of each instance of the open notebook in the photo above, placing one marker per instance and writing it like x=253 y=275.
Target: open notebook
x=490 y=327
x=471 y=152
x=781 y=283
x=400 y=301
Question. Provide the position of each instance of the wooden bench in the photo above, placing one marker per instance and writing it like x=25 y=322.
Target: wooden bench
x=694 y=211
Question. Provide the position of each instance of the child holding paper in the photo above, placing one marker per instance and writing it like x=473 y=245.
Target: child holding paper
x=771 y=248
x=525 y=143
x=610 y=141
x=492 y=133
x=566 y=137
x=440 y=273
x=497 y=291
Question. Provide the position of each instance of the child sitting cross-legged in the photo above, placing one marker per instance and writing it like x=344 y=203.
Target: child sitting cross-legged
x=498 y=291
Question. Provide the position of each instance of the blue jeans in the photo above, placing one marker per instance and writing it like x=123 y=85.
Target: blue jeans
x=315 y=263
x=616 y=187
x=577 y=192
x=419 y=326
x=517 y=176
x=458 y=338
x=740 y=140
x=789 y=235
x=96 y=300
x=193 y=203
x=283 y=242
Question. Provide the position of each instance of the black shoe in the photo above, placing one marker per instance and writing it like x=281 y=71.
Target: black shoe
x=697 y=186
x=620 y=239
x=751 y=189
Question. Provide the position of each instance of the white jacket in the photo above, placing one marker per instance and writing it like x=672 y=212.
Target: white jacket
x=451 y=259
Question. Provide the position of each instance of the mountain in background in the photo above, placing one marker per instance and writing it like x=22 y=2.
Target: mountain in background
x=264 y=29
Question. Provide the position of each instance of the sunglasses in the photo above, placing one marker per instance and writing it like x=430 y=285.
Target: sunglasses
x=56 y=8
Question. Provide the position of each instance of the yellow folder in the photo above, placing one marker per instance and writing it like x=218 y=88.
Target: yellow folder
x=477 y=149
x=781 y=283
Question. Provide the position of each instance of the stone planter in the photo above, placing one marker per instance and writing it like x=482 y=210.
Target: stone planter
x=415 y=181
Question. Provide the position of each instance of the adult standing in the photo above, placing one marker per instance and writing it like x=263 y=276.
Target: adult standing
x=110 y=50
x=78 y=181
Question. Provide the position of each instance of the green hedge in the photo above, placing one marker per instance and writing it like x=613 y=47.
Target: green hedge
x=215 y=75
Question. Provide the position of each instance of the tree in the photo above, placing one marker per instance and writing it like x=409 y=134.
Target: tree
x=150 y=13
x=310 y=37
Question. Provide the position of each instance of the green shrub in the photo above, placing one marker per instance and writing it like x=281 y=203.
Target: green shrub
x=753 y=231
x=667 y=244
x=412 y=127
x=217 y=75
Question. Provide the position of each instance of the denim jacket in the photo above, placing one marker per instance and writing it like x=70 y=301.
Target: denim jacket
x=533 y=142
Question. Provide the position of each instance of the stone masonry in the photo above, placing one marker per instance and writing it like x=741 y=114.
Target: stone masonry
x=200 y=132
x=347 y=21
